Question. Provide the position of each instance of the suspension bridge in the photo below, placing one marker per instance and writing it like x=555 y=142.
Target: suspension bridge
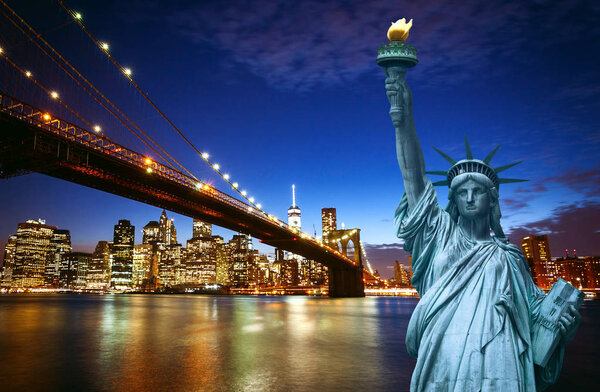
x=40 y=131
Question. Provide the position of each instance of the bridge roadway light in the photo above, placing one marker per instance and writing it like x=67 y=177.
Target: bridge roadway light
x=47 y=117
x=149 y=170
x=104 y=46
x=216 y=166
x=54 y=94
x=77 y=15
x=205 y=155
x=226 y=176
x=28 y=74
x=97 y=128
x=235 y=185
x=127 y=71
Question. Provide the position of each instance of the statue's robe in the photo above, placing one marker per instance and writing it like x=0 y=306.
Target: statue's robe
x=471 y=330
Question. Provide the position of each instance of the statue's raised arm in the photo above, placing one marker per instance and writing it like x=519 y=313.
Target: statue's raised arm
x=408 y=147
x=395 y=58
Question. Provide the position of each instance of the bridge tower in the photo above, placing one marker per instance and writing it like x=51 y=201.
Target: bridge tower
x=346 y=281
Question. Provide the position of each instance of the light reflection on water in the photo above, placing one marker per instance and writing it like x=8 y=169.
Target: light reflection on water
x=204 y=343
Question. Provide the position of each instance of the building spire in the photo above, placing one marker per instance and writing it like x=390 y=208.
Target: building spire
x=293 y=195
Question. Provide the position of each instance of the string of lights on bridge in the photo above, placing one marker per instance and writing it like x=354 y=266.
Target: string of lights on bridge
x=128 y=73
x=78 y=17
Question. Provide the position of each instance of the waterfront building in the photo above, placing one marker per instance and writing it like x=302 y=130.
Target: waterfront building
x=401 y=275
x=60 y=244
x=592 y=272
x=122 y=249
x=221 y=260
x=31 y=253
x=240 y=260
x=142 y=264
x=73 y=270
x=99 y=270
x=201 y=258
x=170 y=269
x=328 y=220
x=8 y=263
x=537 y=253
x=151 y=233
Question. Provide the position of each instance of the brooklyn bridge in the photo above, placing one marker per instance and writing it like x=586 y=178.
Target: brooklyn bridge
x=44 y=131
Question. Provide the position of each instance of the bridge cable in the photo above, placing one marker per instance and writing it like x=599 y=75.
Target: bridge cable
x=87 y=90
x=215 y=167
x=53 y=94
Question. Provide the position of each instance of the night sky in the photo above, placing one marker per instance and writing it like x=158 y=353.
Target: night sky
x=283 y=93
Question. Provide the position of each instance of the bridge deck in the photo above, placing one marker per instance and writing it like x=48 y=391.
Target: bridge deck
x=31 y=140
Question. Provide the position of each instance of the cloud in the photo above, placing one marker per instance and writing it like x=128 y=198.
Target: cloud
x=575 y=226
x=301 y=45
x=533 y=188
x=585 y=182
x=513 y=204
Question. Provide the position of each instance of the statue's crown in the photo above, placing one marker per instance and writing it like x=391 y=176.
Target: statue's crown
x=471 y=165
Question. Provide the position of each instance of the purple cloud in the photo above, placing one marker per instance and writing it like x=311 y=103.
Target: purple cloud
x=533 y=188
x=572 y=226
x=585 y=182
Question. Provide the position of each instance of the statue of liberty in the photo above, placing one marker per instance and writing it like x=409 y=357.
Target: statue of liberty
x=472 y=329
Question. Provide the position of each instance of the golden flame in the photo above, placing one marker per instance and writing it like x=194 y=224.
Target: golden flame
x=398 y=31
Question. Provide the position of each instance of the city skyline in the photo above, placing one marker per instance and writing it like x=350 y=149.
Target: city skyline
x=328 y=101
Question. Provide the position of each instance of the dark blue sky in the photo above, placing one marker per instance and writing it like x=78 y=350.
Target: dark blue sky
x=283 y=93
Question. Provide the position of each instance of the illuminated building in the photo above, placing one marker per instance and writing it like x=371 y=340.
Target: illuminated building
x=59 y=245
x=201 y=229
x=201 y=255
x=401 y=275
x=294 y=213
x=98 y=275
x=328 y=220
x=240 y=247
x=167 y=232
x=142 y=263
x=573 y=271
x=31 y=253
x=170 y=269
x=73 y=270
x=221 y=260
x=537 y=253
x=122 y=264
x=151 y=233
x=592 y=272
x=8 y=263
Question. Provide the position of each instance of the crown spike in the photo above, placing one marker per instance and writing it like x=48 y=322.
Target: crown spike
x=468 y=148
x=509 y=180
x=440 y=183
x=446 y=157
x=491 y=154
x=502 y=168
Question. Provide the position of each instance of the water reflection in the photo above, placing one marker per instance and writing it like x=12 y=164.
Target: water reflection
x=157 y=343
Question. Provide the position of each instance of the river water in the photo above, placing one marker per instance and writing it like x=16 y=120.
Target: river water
x=226 y=343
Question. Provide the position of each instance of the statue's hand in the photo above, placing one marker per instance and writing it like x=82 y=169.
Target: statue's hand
x=568 y=323
x=399 y=95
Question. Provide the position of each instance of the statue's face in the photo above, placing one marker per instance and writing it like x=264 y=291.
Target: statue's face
x=473 y=200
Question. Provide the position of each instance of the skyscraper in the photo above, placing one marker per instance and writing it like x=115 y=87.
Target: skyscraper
x=294 y=213
x=201 y=229
x=31 y=253
x=73 y=270
x=328 y=220
x=151 y=233
x=122 y=266
x=60 y=244
x=142 y=264
x=537 y=253
x=9 y=258
x=167 y=231
x=98 y=276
